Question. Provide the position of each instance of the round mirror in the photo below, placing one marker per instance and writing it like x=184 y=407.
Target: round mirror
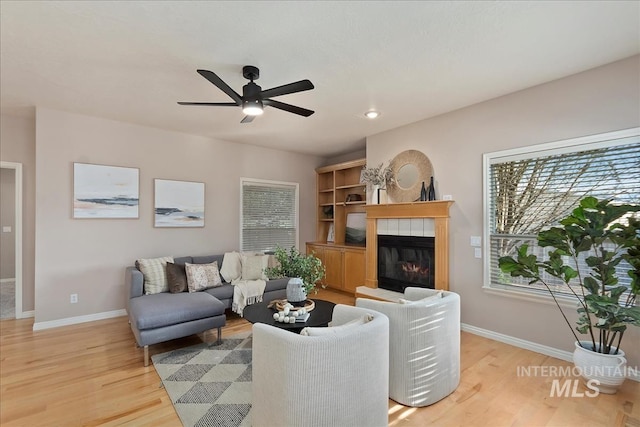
x=410 y=168
x=407 y=176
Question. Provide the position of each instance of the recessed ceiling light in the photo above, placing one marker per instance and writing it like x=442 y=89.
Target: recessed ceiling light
x=371 y=114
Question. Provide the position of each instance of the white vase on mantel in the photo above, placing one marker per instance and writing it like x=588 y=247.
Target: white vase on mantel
x=375 y=194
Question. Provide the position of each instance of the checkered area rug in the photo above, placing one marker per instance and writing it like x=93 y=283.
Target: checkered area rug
x=209 y=384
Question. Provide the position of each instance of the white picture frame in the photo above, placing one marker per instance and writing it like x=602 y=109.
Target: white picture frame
x=105 y=192
x=178 y=203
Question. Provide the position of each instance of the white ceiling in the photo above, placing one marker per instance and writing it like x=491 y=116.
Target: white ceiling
x=131 y=61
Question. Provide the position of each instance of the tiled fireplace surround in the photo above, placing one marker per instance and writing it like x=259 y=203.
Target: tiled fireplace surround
x=421 y=219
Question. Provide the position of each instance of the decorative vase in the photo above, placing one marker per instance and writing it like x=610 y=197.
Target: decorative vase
x=296 y=291
x=431 y=195
x=375 y=195
x=423 y=193
x=608 y=370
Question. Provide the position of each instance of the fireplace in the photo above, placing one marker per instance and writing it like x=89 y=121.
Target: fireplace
x=406 y=261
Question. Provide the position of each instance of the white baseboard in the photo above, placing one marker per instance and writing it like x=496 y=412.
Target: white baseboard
x=532 y=346
x=38 y=326
x=26 y=314
x=7 y=280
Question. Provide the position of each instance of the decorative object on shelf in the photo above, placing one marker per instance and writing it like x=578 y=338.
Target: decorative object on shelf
x=356 y=228
x=354 y=197
x=423 y=193
x=409 y=169
x=375 y=194
x=603 y=234
x=294 y=264
x=328 y=212
x=378 y=178
x=331 y=234
x=432 y=191
x=101 y=191
x=178 y=203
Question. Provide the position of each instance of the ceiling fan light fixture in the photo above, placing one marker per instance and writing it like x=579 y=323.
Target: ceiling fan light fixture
x=371 y=114
x=252 y=108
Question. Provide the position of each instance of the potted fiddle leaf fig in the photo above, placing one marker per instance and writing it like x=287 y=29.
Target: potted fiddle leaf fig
x=600 y=234
x=304 y=271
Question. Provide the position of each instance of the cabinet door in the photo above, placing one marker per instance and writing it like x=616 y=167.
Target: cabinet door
x=354 y=270
x=333 y=265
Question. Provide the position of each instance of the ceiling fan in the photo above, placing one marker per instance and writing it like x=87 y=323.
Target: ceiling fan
x=254 y=99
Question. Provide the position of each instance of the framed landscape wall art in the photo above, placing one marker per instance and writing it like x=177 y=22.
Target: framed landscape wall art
x=178 y=203
x=105 y=191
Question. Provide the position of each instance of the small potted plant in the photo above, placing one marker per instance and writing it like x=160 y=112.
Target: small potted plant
x=303 y=270
x=595 y=235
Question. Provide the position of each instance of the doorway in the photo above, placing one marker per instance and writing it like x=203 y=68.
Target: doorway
x=11 y=239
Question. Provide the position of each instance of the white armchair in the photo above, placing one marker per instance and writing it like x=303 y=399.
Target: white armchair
x=337 y=379
x=424 y=360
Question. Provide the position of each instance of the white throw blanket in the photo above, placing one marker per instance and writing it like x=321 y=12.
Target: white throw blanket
x=247 y=292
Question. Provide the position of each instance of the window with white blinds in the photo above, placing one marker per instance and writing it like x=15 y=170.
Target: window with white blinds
x=528 y=190
x=269 y=215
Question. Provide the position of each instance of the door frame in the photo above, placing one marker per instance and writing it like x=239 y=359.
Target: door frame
x=17 y=167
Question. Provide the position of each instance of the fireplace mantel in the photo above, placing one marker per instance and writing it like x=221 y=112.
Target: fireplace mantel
x=438 y=210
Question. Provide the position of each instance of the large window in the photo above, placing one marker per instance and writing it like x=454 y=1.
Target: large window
x=530 y=189
x=269 y=215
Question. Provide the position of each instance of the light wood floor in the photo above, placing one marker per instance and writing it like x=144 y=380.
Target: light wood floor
x=92 y=374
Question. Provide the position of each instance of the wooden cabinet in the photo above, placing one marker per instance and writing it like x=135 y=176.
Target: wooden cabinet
x=344 y=265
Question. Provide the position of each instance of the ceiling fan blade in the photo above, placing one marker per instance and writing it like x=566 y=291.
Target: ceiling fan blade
x=247 y=119
x=213 y=78
x=288 y=107
x=300 y=86
x=216 y=104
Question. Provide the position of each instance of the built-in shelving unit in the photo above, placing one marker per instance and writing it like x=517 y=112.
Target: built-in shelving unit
x=339 y=192
x=335 y=183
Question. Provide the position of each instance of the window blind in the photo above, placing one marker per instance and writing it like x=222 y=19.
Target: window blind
x=529 y=192
x=269 y=215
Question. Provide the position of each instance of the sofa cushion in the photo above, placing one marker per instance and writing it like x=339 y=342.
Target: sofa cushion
x=253 y=267
x=202 y=276
x=164 y=309
x=182 y=260
x=155 y=274
x=224 y=292
x=207 y=259
x=276 y=284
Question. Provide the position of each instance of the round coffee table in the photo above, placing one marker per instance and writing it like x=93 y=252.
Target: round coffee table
x=319 y=316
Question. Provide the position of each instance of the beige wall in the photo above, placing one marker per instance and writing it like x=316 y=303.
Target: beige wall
x=7 y=219
x=88 y=256
x=600 y=100
x=17 y=144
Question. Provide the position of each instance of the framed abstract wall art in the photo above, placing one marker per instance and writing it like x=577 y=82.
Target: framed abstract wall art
x=105 y=191
x=178 y=203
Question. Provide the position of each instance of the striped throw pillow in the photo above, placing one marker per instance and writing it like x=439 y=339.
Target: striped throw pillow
x=154 y=271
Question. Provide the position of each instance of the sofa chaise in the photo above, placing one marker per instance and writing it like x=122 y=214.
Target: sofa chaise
x=165 y=316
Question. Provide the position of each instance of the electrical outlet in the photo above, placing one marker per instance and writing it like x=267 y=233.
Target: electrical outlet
x=73 y=298
x=478 y=252
x=447 y=197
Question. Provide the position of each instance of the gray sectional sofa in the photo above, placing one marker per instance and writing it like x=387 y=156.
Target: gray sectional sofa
x=165 y=316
